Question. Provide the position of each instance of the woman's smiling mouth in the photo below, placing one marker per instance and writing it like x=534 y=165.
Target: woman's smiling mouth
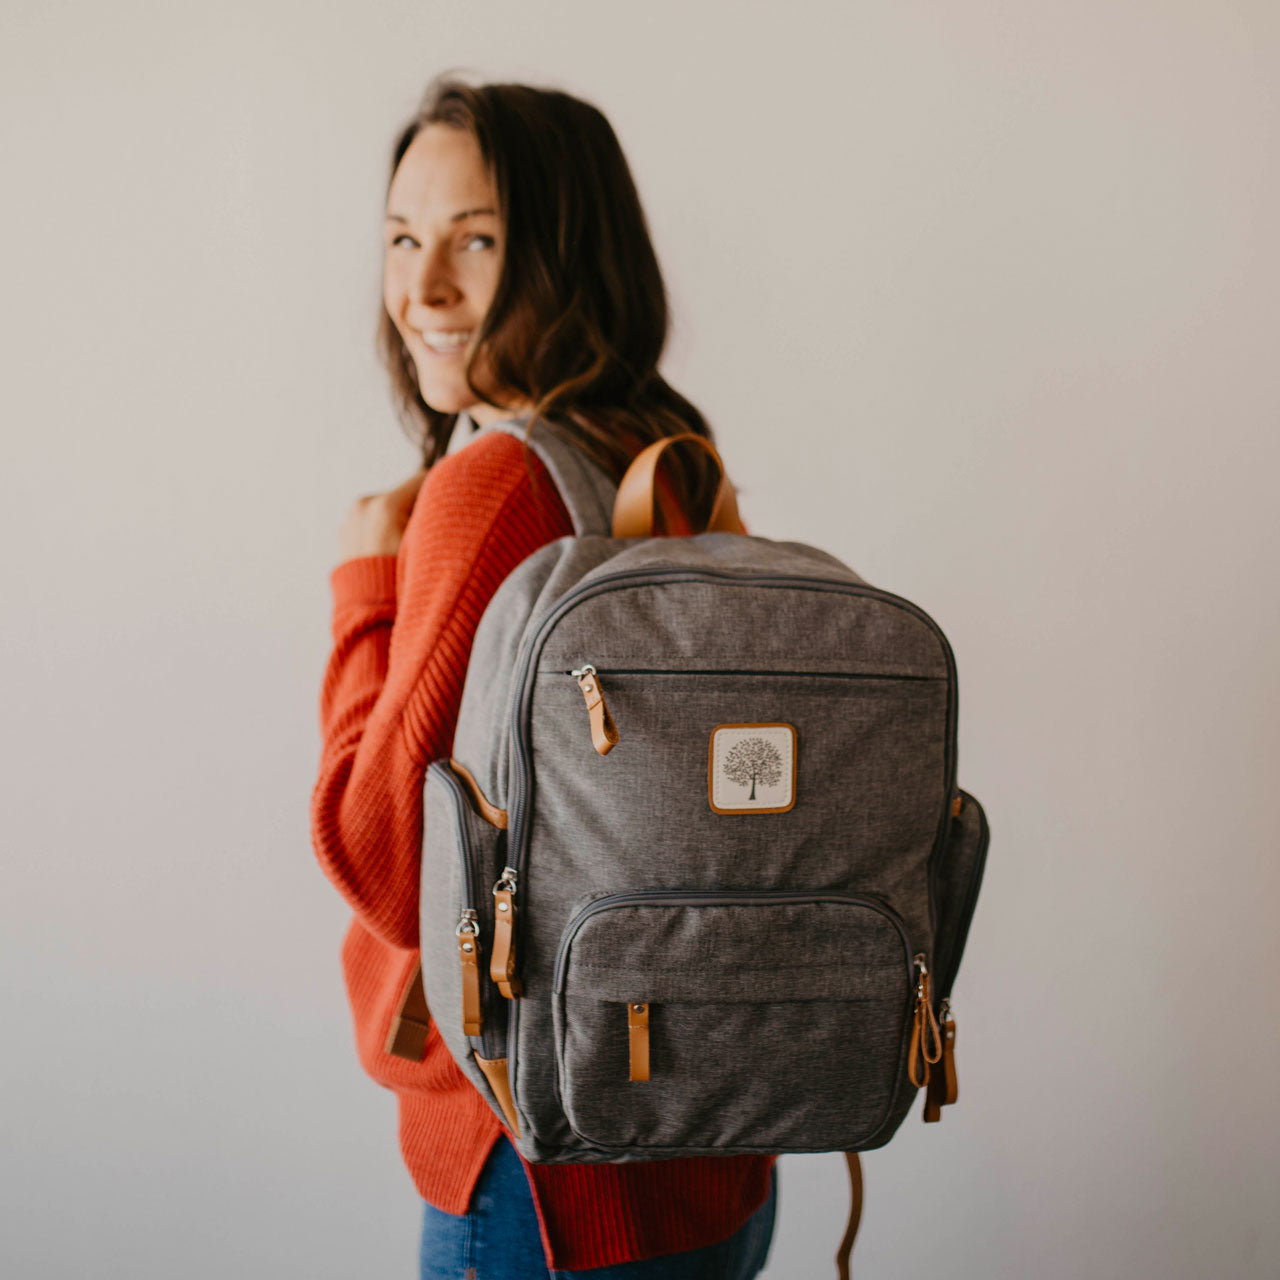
x=444 y=342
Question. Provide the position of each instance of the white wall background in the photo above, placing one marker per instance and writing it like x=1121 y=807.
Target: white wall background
x=981 y=297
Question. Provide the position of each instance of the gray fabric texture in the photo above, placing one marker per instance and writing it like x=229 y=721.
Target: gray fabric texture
x=956 y=884
x=585 y=489
x=732 y=1077
x=774 y=1025
x=452 y=835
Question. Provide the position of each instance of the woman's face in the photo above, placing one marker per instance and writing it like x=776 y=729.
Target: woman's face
x=440 y=270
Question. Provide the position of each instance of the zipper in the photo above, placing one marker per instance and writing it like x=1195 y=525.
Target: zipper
x=704 y=898
x=450 y=779
x=526 y=671
x=604 y=732
x=743 y=671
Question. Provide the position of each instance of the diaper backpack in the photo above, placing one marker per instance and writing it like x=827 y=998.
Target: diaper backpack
x=698 y=874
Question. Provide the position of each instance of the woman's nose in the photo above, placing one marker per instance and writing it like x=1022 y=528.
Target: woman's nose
x=433 y=285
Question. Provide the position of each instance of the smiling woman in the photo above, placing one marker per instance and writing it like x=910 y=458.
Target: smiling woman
x=519 y=283
x=442 y=266
x=512 y=217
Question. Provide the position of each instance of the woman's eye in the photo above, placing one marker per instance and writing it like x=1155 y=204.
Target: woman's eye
x=487 y=242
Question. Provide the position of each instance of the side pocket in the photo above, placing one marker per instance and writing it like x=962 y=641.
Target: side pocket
x=460 y=852
x=959 y=878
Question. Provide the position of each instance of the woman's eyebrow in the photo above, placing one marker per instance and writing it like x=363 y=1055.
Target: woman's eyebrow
x=457 y=217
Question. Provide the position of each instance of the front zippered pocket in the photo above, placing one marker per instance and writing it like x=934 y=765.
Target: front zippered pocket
x=718 y=1022
x=531 y=650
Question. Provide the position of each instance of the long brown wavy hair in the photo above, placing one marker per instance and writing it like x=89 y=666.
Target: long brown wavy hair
x=580 y=315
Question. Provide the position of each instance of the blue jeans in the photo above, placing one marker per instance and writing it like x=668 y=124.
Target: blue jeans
x=498 y=1239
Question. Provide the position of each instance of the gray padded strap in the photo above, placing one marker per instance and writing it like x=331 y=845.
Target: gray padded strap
x=584 y=487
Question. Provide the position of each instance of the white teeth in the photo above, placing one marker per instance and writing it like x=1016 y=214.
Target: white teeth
x=446 y=340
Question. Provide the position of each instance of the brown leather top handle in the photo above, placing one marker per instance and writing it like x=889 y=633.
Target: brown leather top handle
x=633 y=507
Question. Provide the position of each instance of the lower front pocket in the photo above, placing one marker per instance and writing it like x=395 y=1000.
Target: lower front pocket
x=693 y=1021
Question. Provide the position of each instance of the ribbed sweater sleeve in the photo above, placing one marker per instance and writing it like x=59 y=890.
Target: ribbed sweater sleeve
x=403 y=627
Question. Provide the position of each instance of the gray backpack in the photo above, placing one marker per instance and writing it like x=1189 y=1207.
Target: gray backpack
x=697 y=877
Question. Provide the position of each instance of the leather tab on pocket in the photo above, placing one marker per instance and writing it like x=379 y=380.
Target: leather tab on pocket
x=468 y=955
x=943 y=1090
x=604 y=733
x=638 y=1031
x=502 y=960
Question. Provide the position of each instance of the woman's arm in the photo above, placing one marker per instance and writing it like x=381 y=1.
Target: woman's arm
x=402 y=633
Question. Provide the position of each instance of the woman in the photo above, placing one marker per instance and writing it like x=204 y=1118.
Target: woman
x=519 y=282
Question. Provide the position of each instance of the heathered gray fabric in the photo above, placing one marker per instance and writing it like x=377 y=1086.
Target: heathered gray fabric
x=956 y=885
x=585 y=489
x=747 y=1002
x=447 y=821
x=481 y=740
x=715 y=625
x=752 y=952
x=733 y=1077
x=588 y=494
x=880 y=743
x=774 y=1025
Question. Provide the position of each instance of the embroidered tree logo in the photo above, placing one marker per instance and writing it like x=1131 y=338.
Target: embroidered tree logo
x=753 y=760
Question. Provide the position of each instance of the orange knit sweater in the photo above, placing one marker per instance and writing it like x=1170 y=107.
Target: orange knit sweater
x=403 y=627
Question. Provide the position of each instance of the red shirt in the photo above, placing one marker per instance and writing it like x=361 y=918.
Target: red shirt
x=403 y=627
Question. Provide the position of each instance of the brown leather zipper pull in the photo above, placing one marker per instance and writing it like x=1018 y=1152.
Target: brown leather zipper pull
x=926 y=1042
x=943 y=1089
x=638 y=1031
x=604 y=733
x=468 y=932
x=502 y=960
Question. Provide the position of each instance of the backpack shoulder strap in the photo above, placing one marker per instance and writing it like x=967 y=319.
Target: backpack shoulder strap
x=585 y=488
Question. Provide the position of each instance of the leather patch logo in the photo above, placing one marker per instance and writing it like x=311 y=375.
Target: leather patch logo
x=752 y=768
